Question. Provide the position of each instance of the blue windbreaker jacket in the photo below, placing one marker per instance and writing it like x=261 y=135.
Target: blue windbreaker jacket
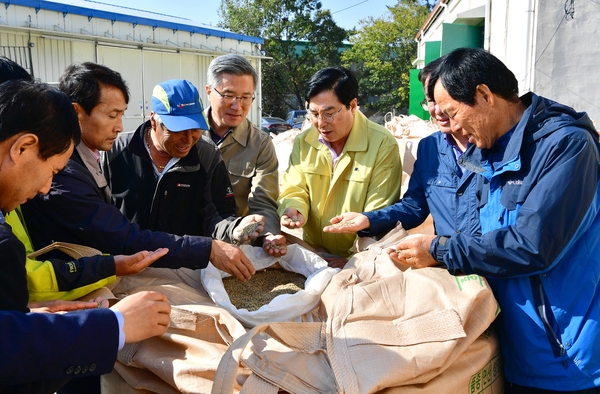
x=540 y=248
x=437 y=186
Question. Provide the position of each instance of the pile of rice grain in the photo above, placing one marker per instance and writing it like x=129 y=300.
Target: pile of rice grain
x=262 y=288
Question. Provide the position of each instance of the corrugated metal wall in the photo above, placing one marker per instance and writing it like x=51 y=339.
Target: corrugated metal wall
x=48 y=41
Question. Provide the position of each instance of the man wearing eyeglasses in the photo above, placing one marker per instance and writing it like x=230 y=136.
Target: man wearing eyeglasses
x=248 y=153
x=450 y=199
x=166 y=177
x=342 y=163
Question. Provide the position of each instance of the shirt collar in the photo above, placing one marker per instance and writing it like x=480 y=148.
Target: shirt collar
x=216 y=138
x=497 y=151
x=334 y=155
x=452 y=142
x=95 y=153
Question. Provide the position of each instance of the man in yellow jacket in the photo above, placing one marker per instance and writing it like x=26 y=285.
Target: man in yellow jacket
x=343 y=163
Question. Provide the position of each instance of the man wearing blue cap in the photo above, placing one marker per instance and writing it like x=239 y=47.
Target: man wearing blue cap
x=78 y=208
x=165 y=176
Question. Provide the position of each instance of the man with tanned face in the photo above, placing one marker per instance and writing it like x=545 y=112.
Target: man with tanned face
x=540 y=218
x=166 y=176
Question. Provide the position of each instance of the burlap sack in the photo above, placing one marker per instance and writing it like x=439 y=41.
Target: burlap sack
x=185 y=359
x=386 y=330
x=284 y=307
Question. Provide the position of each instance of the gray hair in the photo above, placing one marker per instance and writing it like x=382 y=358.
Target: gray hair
x=229 y=64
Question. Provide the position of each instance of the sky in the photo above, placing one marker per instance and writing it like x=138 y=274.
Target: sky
x=346 y=14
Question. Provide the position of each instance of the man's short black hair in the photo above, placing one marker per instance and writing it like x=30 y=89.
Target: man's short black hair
x=429 y=69
x=40 y=109
x=82 y=82
x=338 y=79
x=463 y=69
x=10 y=70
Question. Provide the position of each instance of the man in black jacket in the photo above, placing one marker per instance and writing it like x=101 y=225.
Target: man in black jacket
x=77 y=209
x=166 y=175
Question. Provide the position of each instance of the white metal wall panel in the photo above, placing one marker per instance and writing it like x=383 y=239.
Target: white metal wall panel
x=159 y=67
x=256 y=111
x=83 y=51
x=567 y=54
x=142 y=33
x=13 y=39
x=143 y=54
x=128 y=62
x=54 y=57
x=190 y=70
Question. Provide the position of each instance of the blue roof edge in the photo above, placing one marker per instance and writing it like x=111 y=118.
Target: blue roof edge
x=115 y=16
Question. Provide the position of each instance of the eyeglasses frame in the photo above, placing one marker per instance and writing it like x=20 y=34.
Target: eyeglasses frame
x=240 y=99
x=327 y=118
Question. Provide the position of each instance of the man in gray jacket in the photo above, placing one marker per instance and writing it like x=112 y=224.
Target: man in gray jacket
x=248 y=153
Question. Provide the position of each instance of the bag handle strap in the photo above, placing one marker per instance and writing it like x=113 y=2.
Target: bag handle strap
x=305 y=337
x=230 y=362
x=256 y=384
x=309 y=337
x=73 y=250
x=432 y=327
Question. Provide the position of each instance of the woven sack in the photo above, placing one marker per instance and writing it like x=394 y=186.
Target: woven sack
x=284 y=307
x=387 y=329
x=185 y=359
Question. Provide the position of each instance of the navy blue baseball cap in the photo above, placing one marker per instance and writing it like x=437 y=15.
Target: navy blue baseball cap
x=178 y=103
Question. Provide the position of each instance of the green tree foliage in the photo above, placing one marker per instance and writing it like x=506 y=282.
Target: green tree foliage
x=383 y=51
x=299 y=37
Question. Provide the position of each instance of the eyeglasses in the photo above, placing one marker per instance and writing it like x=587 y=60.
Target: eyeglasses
x=314 y=117
x=228 y=98
x=425 y=104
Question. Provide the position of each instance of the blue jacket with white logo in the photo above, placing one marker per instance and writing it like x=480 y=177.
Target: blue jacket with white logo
x=540 y=248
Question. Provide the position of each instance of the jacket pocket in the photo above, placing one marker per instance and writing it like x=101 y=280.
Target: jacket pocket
x=439 y=180
x=241 y=169
x=358 y=173
x=309 y=168
x=440 y=188
x=510 y=198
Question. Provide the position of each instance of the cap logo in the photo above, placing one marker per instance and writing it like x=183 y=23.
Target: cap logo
x=186 y=105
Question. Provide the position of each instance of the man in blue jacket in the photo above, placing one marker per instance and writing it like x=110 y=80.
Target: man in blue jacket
x=40 y=352
x=438 y=185
x=539 y=210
